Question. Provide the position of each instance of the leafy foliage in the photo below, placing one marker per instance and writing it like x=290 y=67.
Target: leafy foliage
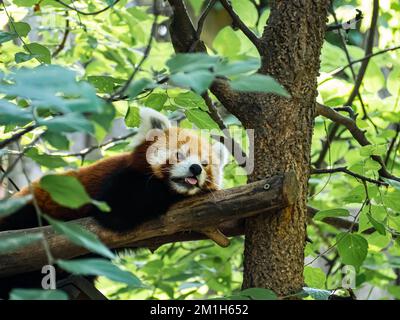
x=65 y=96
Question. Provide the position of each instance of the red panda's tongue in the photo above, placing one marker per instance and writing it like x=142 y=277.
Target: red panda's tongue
x=191 y=180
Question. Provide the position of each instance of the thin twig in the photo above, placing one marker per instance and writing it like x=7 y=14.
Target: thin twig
x=338 y=70
x=9 y=179
x=358 y=80
x=346 y=25
x=146 y=53
x=340 y=119
x=237 y=22
x=83 y=153
x=16 y=136
x=200 y=23
x=368 y=51
x=203 y=17
x=64 y=38
x=87 y=13
x=20 y=155
x=351 y=173
x=26 y=48
x=357 y=133
x=392 y=143
x=39 y=214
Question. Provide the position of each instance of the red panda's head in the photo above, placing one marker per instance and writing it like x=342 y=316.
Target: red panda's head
x=187 y=160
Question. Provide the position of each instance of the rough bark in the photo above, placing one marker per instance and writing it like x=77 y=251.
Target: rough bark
x=289 y=48
x=292 y=41
x=194 y=213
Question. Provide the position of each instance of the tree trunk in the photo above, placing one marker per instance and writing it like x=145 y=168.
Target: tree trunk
x=291 y=45
x=289 y=48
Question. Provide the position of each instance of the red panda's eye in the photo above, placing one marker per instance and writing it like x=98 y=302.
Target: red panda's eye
x=180 y=156
x=204 y=163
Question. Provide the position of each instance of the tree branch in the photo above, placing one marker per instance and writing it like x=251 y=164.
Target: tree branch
x=351 y=173
x=194 y=213
x=368 y=56
x=61 y=46
x=358 y=80
x=16 y=136
x=368 y=52
x=356 y=132
x=350 y=24
x=121 y=91
x=87 y=13
x=88 y=150
x=203 y=17
x=237 y=22
x=183 y=35
x=349 y=123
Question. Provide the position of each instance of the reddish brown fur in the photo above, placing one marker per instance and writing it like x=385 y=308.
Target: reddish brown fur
x=92 y=176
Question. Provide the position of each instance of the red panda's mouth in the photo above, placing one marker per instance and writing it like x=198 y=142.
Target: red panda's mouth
x=191 y=181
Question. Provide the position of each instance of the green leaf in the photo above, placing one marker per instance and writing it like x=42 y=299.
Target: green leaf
x=258 y=294
x=376 y=149
x=317 y=294
x=11 y=205
x=57 y=140
x=190 y=100
x=156 y=101
x=54 y=88
x=132 y=118
x=21 y=28
x=100 y=267
x=20 y=57
x=225 y=36
x=198 y=81
x=371 y=164
x=138 y=86
x=70 y=122
x=258 y=83
x=103 y=206
x=13 y=114
x=7 y=36
x=338 y=212
x=36 y=294
x=380 y=227
x=103 y=84
x=81 y=237
x=65 y=190
x=201 y=119
x=45 y=160
x=25 y=3
x=393 y=81
x=356 y=195
x=237 y=67
x=9 y=243
x=391 y=200
x=314 y=277
x=352 y=248
x=247 y=11
x=43 y=54
x=188 y=62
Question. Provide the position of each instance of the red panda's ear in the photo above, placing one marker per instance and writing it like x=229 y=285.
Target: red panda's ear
x=150 y=120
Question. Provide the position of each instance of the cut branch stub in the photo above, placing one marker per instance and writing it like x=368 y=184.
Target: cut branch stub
x=194 y=213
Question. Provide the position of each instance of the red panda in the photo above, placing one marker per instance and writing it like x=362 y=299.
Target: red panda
x=167 y=163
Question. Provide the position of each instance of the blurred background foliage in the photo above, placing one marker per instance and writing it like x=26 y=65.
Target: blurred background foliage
x=103 y=49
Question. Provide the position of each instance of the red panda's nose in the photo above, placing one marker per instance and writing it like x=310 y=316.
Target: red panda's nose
x=195 y=169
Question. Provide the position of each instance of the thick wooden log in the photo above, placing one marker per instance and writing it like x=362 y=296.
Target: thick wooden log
x=194 y=213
